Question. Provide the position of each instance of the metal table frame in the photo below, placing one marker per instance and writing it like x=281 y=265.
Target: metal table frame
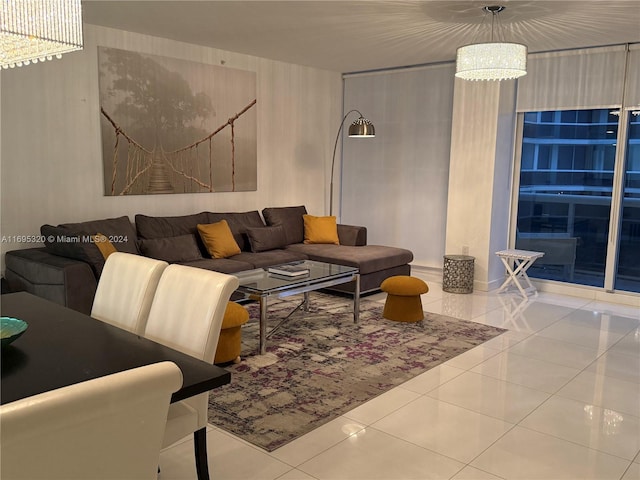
x=293 y=286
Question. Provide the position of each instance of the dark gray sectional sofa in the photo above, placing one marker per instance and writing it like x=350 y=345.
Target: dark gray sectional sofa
x=68 y=268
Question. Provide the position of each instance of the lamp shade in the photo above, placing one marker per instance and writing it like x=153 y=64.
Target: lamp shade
x=362 y=128
x=491 y=61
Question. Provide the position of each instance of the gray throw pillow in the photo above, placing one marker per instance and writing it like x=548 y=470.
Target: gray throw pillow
x=238 y=223
x=291 y=220
x=183 y=248
x=262 y=239
x=119 y=230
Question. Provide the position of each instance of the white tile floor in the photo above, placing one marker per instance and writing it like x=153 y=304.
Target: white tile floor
x=556 y=397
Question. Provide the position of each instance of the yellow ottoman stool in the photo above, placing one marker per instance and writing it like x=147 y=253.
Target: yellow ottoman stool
x=403 y=298
x=229 y=344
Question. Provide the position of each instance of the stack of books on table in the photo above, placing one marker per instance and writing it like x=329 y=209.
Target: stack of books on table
x=289 y=270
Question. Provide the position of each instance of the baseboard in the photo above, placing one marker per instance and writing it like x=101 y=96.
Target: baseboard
x=587 y=292
x=428 y=274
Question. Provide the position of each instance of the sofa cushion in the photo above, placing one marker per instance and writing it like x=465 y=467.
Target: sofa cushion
x=368 y=258
x=320 y=230
x=119 y=231
x=239 y=222
x=77 y=245
x=222 y=265
x=183 y=248
x=269 y=258
x=160 y=227
x=218 y=239
x=290 y=218
x=263 y=239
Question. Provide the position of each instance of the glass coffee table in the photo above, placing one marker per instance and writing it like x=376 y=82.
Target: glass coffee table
x=260 y=285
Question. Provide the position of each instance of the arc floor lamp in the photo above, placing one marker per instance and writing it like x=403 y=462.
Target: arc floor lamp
x=360 y=128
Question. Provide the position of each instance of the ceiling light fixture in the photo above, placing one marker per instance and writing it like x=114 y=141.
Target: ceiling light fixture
x=38 y=30
x=495 y=60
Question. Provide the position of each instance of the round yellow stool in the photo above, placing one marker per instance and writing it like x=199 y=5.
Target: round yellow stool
x=403 y=298
x=230 y=342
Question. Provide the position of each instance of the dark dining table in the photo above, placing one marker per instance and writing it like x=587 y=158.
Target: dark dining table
x=63 y=347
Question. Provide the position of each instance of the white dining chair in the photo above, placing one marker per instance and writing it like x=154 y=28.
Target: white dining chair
x=126 y=289
x=186 y=315
x=102 y=429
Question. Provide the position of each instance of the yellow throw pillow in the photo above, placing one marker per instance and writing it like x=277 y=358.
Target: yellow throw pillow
x=218 y=239
x=320 y=229
x=104 y=244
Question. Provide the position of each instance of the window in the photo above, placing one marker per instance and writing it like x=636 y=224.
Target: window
x=628 y=265
x=566 y=192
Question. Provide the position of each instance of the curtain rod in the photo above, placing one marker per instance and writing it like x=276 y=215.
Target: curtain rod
x=418 y=66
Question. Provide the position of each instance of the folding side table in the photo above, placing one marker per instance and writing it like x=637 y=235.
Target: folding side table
x=521 y=260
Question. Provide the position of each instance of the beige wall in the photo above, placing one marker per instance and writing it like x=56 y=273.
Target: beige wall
x=50 y=156
x=479 y=193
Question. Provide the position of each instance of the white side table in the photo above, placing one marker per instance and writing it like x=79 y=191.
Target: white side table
x=521 y=260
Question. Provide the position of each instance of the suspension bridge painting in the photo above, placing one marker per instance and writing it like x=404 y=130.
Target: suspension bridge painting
x=175 y=126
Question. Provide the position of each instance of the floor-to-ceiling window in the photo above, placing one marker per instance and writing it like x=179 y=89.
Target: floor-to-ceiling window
x=578 y=185
x=566 y=184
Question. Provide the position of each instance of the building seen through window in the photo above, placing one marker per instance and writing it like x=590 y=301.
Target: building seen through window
x=567 y=182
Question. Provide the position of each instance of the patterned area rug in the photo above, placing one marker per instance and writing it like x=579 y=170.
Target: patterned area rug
x=319 y=365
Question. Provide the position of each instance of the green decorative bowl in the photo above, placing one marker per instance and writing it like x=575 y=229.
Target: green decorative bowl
x=10 y=329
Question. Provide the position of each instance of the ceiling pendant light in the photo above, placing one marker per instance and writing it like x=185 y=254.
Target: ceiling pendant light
x=495 y=60
x=38 y=30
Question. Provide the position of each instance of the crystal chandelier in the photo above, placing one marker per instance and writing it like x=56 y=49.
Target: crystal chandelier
x=492 y=60
x=38 y=30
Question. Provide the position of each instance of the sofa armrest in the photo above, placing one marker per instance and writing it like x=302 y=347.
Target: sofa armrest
x=352 y=235
x=68 y=282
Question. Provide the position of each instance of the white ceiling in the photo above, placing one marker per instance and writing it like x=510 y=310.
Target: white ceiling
x=361 y=35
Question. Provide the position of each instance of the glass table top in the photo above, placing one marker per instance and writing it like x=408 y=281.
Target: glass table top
x=262 y=281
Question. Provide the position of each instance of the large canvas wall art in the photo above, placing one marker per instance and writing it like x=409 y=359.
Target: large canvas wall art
x=175 y=126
